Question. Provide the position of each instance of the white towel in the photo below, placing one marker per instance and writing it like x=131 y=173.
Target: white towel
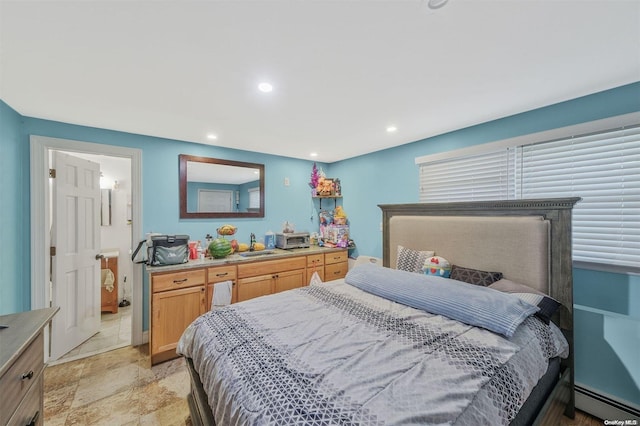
x=107 y=279
x=221 y=294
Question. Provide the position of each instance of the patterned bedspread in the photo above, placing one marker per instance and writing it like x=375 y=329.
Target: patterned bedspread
x=332 y=354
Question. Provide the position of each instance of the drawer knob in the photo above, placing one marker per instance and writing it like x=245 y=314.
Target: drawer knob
x=27 y=376
x=184 y=280
x=222 y=274
x=34 y=419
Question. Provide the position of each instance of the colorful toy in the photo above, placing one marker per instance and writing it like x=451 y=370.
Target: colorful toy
x=438 y=266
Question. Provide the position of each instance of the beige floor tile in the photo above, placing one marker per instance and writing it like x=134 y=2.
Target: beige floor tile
x=100 y=385
x=118 y=408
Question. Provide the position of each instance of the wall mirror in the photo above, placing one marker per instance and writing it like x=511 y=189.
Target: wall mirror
x=105 y=207
x=215 y=188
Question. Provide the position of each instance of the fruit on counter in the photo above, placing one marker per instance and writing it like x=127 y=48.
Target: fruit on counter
x=227 y=230
x=258 y=246
x=243 y=247
x=220 y=248
x=234 y=245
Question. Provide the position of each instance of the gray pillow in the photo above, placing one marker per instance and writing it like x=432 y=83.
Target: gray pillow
x=548 y=305
x=474 y=276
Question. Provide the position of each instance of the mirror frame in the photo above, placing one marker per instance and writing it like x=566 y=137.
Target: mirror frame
x=184 y=214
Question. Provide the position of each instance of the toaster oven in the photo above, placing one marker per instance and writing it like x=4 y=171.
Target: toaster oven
x=292 y=240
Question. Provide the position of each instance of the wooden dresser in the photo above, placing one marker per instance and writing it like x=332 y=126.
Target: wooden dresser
x=22 y=367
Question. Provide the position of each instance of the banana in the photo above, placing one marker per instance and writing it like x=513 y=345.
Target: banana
x=227 y=230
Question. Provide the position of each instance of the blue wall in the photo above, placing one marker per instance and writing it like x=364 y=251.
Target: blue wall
x=15 y=290
x=388 y=176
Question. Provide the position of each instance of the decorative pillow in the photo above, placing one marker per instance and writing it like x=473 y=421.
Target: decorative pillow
x=474 y=276
x=548 y=305
x=412 y=260
x=437 y=265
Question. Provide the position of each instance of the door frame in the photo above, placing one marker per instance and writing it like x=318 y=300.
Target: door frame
x=41 y=217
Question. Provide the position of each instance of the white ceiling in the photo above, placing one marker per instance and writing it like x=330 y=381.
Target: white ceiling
x=342 y=71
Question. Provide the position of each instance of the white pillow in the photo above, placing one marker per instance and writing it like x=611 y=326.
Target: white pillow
x=412 y=260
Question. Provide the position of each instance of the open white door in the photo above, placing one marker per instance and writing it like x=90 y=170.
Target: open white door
x=75 y=234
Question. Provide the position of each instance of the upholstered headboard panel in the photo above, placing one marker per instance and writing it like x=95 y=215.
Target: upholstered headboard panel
x=516 y=246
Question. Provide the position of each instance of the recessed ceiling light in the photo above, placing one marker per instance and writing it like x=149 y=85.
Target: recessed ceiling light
x=436 y=4
x=212 y=136
x=265 y=87
x=314 y=154
x=391 y=129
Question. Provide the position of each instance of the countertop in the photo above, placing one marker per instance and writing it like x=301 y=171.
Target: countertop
x=23 y=329
x=238 y=258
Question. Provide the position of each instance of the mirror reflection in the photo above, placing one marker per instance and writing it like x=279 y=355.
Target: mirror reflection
x=211 y=187
x=105 y=207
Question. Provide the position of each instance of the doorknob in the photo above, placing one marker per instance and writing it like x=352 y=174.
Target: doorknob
x=99 y=256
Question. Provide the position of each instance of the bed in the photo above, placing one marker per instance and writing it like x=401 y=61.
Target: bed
x=392 y=346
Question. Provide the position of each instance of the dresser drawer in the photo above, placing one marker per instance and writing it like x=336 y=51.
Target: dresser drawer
x=20 y=377
x=30 y=411
x=175 y=280
x=335 y=257
x=335 y=271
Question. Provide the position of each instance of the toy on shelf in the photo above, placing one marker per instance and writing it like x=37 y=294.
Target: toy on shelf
x=326 y=187
x=339 y=216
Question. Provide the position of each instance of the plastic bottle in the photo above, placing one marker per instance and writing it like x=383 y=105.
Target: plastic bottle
x=269 y=240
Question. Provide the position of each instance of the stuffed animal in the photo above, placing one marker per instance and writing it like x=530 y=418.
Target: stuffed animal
x=325 y=186
x=339 y=216
x=437 y=265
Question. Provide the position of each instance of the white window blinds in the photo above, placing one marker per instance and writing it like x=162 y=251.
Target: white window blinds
x=485 y=176
x=254 y=198
x=603 y=168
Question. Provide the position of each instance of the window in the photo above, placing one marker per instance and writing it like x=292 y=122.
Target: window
x=254 y=198
x=602 y=167
x=484 y=176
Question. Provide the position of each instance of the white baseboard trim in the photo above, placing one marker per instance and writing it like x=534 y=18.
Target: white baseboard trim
x=605 y=408
x=145 y=337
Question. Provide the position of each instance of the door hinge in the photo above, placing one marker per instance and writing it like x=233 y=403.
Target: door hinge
x=52 y=173
x=52 y=251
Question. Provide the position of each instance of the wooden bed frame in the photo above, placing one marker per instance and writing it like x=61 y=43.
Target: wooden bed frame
x=445 y=228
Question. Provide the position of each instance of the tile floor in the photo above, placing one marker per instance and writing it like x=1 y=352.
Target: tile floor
x=115 y=332
x=117 y=388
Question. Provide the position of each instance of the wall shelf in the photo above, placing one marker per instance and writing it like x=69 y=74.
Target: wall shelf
x=321 y=197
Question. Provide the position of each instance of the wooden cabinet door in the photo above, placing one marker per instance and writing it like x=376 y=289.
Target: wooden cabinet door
x=219 y=274
x=251 y=287
x=173 y=311
x=310 y=272
x=289 y=280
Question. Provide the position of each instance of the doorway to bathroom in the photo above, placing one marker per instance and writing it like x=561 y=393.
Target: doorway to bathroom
x=120 y=284
x=116 y=267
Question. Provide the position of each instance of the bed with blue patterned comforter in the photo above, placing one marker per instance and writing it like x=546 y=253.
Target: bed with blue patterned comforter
x=336 y=354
